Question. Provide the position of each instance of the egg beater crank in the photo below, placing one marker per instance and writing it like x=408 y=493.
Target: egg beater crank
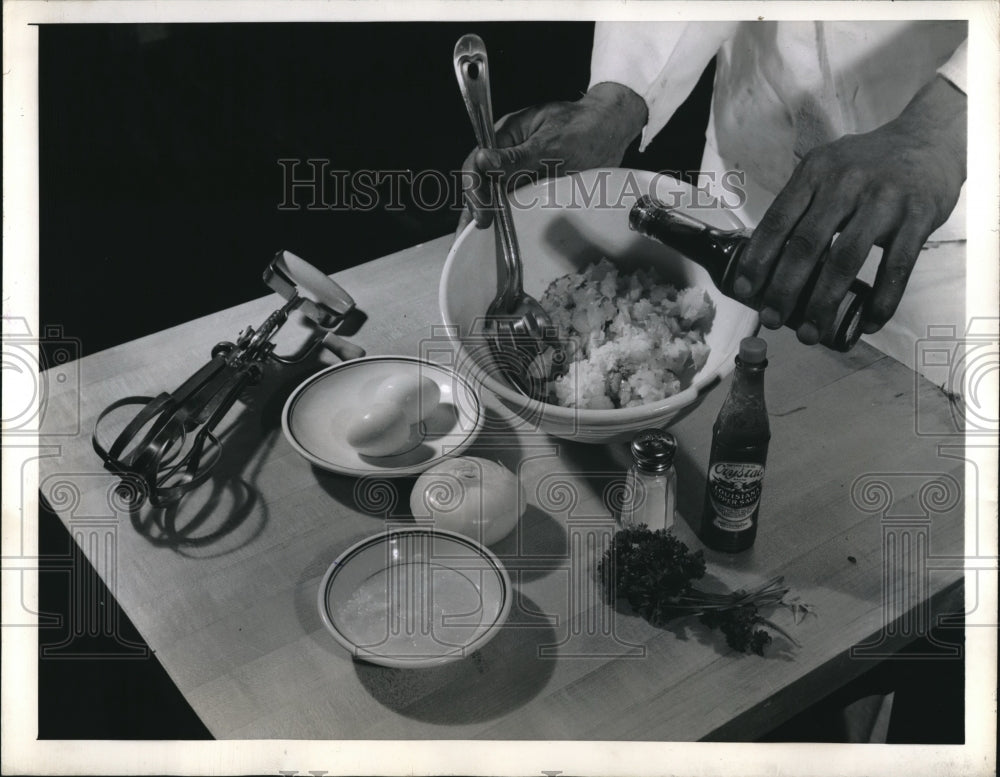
x=169 y=447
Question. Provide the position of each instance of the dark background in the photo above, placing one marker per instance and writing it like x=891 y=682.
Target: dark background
x=159 y=148
x=159 y=195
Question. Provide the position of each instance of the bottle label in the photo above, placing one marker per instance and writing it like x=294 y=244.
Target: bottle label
x=734 y=491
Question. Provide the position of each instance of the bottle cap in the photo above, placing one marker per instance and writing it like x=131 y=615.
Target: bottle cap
x=653 y=450
x=847 y=329
x=753 y=350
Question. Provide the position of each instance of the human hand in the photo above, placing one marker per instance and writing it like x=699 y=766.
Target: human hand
x=594 y=131
x=890 y=187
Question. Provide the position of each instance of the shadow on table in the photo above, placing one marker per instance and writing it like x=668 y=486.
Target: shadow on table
x=690 y=497
x=225 y=512
x=504 y=675
x=379 y=496
x=388 y=498
x=500 y=677
x=529 y=552
x=688 y=628
x=536 y=548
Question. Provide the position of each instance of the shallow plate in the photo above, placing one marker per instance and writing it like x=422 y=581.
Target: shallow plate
x=317 y=413
x=414 y=597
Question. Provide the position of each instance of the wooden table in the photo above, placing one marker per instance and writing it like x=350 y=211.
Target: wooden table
x=862 y=513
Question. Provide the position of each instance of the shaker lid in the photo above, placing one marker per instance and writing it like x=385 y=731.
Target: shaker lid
x=753 y=350
x=653 y=450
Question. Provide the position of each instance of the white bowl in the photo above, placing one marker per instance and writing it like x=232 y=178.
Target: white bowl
x=315 y=417
x=562 y=230
x=414 y=597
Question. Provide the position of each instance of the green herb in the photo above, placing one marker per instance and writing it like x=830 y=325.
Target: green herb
x=655 y=573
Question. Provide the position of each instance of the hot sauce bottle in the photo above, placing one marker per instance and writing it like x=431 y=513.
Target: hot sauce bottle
x=739 y=451
x=719 y=251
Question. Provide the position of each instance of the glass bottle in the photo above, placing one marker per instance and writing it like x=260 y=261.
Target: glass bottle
x=739 y=452
x=651 y=482
x=719 y=251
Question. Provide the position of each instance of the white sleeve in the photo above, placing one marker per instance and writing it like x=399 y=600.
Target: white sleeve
x=659 y=61
x=956 y=68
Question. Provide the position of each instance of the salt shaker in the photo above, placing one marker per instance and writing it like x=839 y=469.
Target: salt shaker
x=651 y=483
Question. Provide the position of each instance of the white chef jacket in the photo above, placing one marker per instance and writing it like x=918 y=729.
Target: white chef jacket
x=783 y=88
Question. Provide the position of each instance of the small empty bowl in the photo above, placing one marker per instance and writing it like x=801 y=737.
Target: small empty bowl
x=414 y=597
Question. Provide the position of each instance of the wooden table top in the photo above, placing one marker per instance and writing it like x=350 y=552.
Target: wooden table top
x=861 y=504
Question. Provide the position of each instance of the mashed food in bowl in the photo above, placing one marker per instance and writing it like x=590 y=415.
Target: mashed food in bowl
x=631 y=339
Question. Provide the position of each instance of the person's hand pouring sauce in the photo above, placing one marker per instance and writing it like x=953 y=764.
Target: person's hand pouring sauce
x=889 y=187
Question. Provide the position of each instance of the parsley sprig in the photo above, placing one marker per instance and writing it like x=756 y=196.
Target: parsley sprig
x=655 y=573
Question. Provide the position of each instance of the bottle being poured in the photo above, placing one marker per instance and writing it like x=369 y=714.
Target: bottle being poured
x=719 y=252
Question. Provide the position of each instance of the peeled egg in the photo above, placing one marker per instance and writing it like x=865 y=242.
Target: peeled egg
x=382 y=429
x=417 y=395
